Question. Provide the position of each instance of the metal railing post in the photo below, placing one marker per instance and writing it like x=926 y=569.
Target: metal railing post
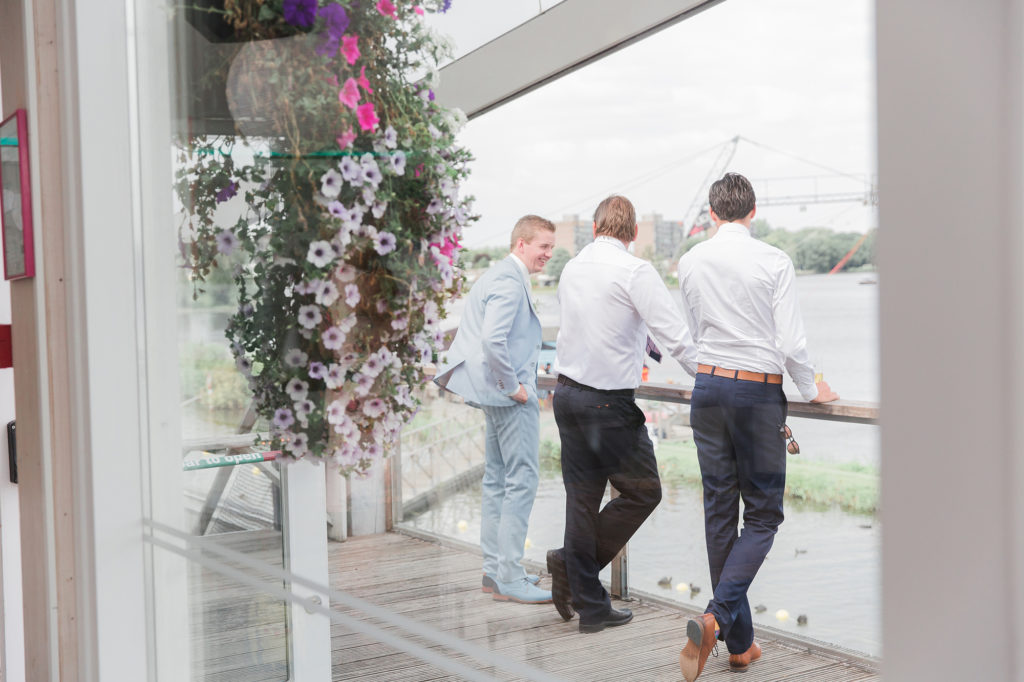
x=393 y=487
x=620 y=566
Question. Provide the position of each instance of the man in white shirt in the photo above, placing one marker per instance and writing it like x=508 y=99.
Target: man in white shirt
x=492 y=364
x=740 y=304
x=609 y=300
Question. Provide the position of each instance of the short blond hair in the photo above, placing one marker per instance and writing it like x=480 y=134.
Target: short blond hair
x=527 y=228
x=616 y=217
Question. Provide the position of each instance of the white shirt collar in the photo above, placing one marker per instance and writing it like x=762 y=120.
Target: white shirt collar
x=525 y=271
x=733 y=228
x=610 y=240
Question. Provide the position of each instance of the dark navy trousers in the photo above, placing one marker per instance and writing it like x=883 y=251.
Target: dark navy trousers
x=742 y=452
x=603 y=439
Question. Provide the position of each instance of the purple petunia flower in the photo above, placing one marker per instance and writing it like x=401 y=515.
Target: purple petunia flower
x=226 y=193
x=447 y=6
x=316 y=370
x=336 y=21
x=283 y=418
x=299 y=12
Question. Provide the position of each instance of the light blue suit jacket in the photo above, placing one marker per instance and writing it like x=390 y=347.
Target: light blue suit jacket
x=498 y=341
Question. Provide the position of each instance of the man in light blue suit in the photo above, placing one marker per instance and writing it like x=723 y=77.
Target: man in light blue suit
x=492 y=364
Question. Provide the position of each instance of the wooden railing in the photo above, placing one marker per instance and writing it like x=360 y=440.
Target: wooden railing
x=849 y=411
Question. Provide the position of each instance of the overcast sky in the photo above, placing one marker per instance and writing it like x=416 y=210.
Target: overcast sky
x=794 y=76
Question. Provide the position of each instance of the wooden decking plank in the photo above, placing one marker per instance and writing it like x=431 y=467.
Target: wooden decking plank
x=439 y=587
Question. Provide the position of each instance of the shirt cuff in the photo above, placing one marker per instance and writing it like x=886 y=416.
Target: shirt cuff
x=808 y=391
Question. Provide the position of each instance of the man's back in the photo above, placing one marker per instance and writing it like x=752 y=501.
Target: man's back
x=740 y=304
x=598 y=316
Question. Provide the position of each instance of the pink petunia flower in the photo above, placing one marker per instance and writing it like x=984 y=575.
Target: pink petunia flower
x=350 y=48
x=363 y=81
x=418 y=10
x=346 y=139
x=387 y=8
x=349 y=95
x=367 y=117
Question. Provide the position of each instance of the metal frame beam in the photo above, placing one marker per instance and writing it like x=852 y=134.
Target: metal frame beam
x=566 y=37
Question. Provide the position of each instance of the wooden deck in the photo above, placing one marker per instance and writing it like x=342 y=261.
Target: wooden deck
x=439 y=586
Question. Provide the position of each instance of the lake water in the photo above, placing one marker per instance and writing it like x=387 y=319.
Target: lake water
x=825 y=563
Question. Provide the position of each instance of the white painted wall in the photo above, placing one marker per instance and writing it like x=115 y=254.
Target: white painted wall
x=12 y=655
x=951 y=249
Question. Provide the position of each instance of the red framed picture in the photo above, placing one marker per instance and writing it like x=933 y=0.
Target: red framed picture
x=16 y=198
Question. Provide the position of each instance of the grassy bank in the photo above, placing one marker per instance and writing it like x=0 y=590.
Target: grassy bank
x=851 y=487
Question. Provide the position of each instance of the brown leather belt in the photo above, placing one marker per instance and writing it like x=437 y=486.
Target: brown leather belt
x=741 y=374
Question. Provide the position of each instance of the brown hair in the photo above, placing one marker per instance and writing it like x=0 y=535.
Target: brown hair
x=615 y=217
x=527 y=227
x=732 y=198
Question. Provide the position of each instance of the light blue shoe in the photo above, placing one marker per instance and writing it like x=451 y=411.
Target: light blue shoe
x=521 y=591
x=490 y=580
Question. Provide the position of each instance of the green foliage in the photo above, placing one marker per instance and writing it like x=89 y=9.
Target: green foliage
x=482 y=257
x=209 y=374
x=689 y=243
x=851 y=487
x=557 y=262
x=337 y=223
x=550 y=454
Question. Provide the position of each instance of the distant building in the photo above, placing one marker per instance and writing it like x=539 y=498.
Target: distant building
x=572 y=233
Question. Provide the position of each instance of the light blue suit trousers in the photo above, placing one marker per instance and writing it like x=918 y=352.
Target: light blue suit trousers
x=495 y=350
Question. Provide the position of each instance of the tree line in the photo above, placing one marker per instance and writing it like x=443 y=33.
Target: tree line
x=812 y=249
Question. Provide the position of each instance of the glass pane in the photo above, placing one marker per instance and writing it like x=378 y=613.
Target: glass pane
x=472 y=23
x=319 y=270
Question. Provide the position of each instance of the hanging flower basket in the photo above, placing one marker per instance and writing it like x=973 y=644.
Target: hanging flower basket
x=344 y=198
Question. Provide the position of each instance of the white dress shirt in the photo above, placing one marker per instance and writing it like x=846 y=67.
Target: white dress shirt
x=610 y=300
x=740 y=304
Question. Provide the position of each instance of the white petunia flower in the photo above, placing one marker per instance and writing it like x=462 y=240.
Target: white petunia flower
x=348 y=323
x=333 y=338
x=327 y=294
x=369 y=195
x=390 y=137
x=347 y=360
x=330 y=183
x=298 y=444
x=317 y=370
x=320 y=253
x=351 y=296
x=295 y=357
x=227 y=242
x=309 y=317
x=374 y=408
x=397 y=162
x=384 y=243
x=449 y=189
x=435 y=206
x=244 y=366
x=371 y=173
x=296 y=388
x=305 y=407
x=378 y=208
x=283 y=418
x=363 y=382
x=372 y=367
x=335 y=376
x=338 y=210
x=350 y=170
x=335 y=412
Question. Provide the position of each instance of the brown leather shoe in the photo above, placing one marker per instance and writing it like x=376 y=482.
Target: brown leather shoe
x=700 y=633
x=740 y=662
